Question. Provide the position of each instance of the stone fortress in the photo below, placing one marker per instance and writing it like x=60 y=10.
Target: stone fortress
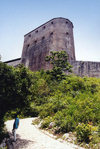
x=54 y=35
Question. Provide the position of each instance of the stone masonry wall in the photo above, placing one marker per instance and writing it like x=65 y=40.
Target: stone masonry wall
x=80 y=68
x=86 y=68
x=55 y=35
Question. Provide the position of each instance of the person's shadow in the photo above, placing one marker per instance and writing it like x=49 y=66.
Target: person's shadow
x=20 y=143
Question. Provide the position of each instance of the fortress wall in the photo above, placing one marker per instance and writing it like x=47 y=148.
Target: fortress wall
x=86 y=68
x=14 y=62
x=56 y=34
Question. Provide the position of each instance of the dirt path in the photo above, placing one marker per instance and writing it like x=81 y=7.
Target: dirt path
x=30 y=137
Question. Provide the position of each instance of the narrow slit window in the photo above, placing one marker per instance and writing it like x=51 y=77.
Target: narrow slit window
x=35 y=41
x=44 y=27
x=29 y=35
x=43 y=38
x=67 y=33
x=51 y=33
x=28 y=46
x=36 y=31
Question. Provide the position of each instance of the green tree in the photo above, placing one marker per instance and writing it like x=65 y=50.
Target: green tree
x=60 y=64
x=15 y=91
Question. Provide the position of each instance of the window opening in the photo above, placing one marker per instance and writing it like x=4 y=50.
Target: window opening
x=29 y=35
x=44 y=27
x=43 y=38
x=37 y=31
x=35 y=41
x=51 y=33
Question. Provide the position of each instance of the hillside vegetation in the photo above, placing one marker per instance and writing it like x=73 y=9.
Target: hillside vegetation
x=72 y=103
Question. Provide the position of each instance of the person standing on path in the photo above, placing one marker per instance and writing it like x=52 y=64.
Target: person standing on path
x=15 y=126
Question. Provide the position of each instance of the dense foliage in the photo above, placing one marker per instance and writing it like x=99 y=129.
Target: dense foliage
x=59 y=63
x=72 y=104
x=14 y=90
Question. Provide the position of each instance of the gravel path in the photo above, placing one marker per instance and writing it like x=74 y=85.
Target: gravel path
x=30 y=137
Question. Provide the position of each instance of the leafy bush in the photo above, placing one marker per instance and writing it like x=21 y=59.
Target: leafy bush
x=65 y=122
x=70 y=101
x=83 y=132
x=46 y=122
x=99 y=130
x=46 y=110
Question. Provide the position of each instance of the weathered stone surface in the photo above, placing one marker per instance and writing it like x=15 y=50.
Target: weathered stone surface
x=86 y=68
x=55 y=35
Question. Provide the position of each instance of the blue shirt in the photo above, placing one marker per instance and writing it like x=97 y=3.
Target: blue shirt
x=16 y=123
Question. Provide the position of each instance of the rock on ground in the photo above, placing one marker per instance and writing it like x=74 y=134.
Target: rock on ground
x=30 y=137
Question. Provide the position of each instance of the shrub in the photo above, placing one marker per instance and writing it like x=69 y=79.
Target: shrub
x=83 y=132
x=99 y=130
x=46 y=122
x=65 y=122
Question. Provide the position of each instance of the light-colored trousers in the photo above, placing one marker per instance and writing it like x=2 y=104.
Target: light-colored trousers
x=14 y=134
